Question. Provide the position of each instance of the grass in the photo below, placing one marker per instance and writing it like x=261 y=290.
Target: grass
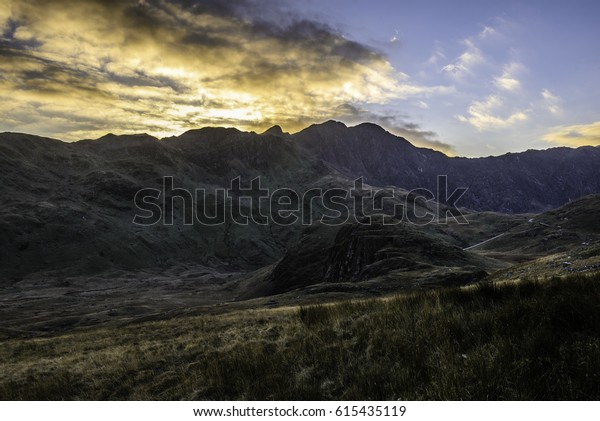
x=526 y=340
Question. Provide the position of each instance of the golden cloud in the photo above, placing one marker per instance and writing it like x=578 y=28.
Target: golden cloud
x=74 y=69
x=576 y=135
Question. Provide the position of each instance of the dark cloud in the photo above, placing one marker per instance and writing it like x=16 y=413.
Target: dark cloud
x=355 y=51
x=316 y=36
x=140 y=79
x=10 y=29
x=141 y=16
x=215 y=7
x=207 y=40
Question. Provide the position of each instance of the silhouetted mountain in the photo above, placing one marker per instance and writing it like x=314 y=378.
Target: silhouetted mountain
x=531 y=181
x=69 y=206
x=276 y=131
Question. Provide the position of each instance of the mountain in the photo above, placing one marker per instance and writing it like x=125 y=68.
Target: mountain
x=69 y=247
x=65 y=205
x=531 y=181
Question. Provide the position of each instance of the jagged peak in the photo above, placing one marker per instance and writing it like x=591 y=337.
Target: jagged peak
x=276 y=130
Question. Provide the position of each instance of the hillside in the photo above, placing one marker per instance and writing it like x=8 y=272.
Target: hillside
x=560 y=230
x=47 y=185
x=534 y=340
x=69 y=248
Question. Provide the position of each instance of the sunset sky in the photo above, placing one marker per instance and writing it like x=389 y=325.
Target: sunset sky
x=471 y=78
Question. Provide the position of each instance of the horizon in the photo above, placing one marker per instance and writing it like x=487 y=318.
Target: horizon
x=467 y=80
x=447 y=153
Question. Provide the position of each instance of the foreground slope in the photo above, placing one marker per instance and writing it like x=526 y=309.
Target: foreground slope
x=517 y=341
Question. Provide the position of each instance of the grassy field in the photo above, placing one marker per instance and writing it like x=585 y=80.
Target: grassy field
x=526 y=340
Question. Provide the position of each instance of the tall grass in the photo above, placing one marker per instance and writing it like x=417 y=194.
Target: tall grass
x=526 y=340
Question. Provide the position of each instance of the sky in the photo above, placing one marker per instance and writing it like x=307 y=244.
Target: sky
x=468 y=78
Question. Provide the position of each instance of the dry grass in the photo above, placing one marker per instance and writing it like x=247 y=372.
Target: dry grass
x=529 y=340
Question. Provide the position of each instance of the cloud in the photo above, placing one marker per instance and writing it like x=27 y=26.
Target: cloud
x=76 y=69
x=472 y=56
x=576 y=135
x=465 y=63
x=437 y=55
x=487 y=32
x=504 y=104
x=484 y=115
x=551 y=102
x=5 y=14
x=508 y=81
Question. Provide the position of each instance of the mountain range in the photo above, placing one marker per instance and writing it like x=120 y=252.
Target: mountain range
x=68 y=238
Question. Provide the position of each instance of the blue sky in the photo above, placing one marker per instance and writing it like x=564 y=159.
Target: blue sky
x=470 y=78
x=523 y=71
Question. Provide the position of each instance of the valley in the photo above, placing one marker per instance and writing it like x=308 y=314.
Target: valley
x=72 y=258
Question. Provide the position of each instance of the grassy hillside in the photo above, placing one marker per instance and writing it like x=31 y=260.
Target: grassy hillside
x=526 y=340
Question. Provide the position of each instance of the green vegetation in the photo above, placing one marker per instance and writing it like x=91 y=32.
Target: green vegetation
x=527 y=340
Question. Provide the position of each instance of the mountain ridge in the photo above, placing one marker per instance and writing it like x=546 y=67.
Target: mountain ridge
x=276 y=130
x=530 y=181
x=67 y=209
